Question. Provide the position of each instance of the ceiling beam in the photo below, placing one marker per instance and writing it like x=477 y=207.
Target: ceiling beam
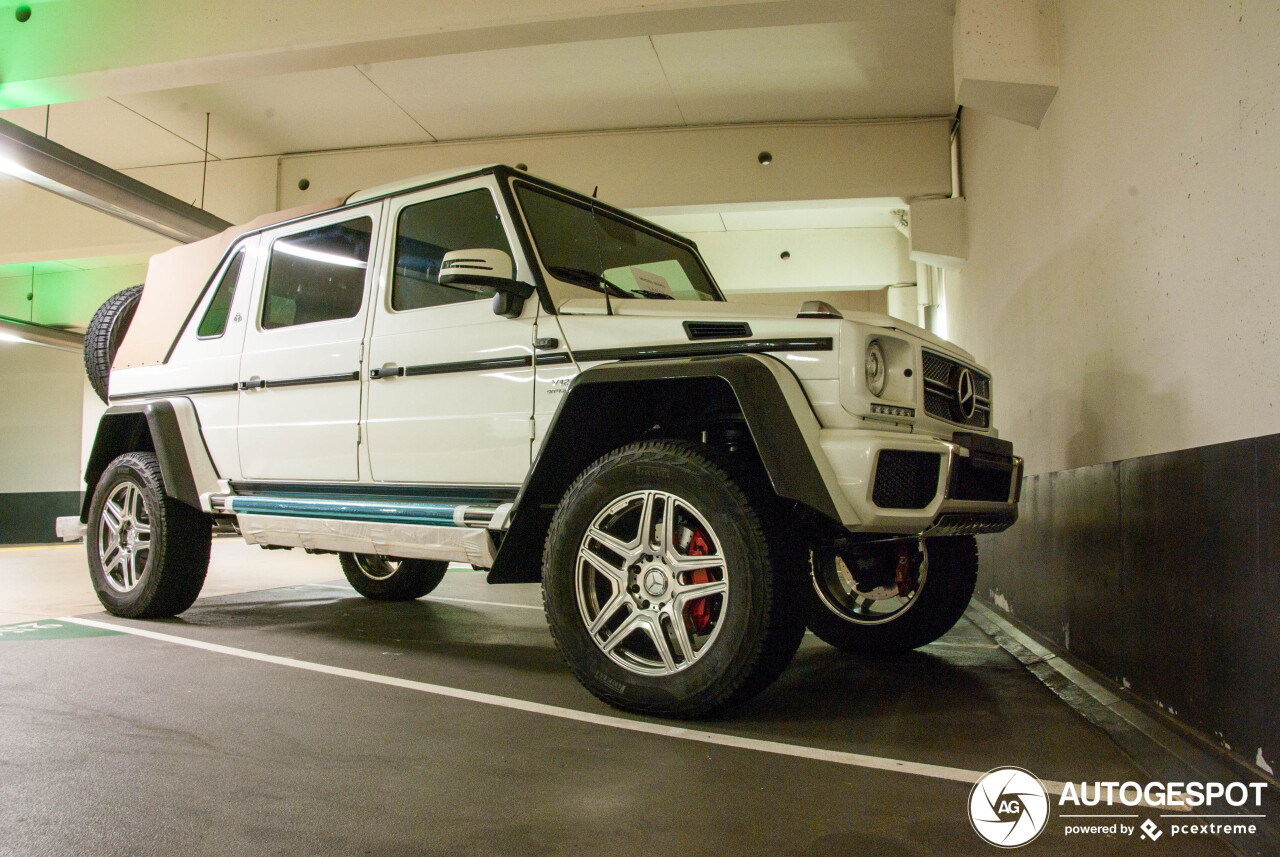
x=74 y=51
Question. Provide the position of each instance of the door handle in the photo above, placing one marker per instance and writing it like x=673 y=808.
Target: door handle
x=546 y=342
x=386 y=372
x=253 y=384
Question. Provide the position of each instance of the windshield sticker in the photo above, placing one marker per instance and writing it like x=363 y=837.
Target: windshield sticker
x=650 y=281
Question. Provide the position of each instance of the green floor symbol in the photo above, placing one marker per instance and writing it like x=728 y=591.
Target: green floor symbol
x=50 y=629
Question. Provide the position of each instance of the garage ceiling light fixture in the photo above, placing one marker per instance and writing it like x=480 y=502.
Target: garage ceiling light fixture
x=42 y=162
x=12 y=330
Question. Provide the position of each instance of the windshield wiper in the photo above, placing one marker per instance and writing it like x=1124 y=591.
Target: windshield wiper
x=649 y=293
x=583 y=277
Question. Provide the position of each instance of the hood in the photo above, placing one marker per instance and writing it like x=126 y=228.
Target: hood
x=734 y=311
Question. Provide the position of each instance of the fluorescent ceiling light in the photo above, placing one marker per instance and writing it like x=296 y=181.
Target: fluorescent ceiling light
x=43 y=163
x=12 y=330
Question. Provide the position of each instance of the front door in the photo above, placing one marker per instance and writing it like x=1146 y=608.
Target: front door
x=301 y=369
x=450 y=383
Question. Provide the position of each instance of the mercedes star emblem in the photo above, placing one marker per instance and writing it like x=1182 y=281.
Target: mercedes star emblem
x=966 y=398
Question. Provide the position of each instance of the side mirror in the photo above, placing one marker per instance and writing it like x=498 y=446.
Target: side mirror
x=479 y=269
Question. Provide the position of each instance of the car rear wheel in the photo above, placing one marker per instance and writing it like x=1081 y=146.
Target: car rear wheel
x=148 y=553
x=389 y=579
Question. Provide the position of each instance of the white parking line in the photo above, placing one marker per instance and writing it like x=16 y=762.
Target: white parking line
x=920 y=769
x=441 y=598
x=537 y=607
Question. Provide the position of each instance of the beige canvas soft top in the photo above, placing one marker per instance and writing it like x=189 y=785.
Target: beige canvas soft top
x=175 y=279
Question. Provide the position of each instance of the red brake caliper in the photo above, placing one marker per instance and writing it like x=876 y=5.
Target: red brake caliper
x=699 y=612
x=905 y=574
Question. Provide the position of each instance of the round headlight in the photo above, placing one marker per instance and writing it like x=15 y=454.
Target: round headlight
x=877 y=372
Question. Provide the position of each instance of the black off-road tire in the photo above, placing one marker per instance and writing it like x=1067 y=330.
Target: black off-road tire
x=176 y=559
x=105 y=333
x=762 y=611
x=386 y=579
x=944 y=594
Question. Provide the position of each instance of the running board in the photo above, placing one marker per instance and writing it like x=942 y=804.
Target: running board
x=407 y=541
x=491 y=516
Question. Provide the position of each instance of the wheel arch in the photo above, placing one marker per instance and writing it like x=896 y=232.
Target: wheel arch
x=161 y=427
x=613 y=404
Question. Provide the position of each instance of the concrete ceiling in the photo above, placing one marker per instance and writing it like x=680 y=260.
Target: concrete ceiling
x=895 y=66
x=295 y=76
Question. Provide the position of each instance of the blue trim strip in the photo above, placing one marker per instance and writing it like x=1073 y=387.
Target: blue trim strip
x=429 y=514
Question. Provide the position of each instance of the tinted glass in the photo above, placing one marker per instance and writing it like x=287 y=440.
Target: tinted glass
x=215 y=317
x=428 y=230
x=643 y=263
x=317 y=275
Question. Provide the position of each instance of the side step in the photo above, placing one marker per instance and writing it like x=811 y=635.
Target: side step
x=415 y=530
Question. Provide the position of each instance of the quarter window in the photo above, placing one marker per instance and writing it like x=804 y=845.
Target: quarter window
x=428 y=230
x=214 y=322
x=317 y=275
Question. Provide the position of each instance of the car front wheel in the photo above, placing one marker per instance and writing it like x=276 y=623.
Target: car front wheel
x=663 y=587
x=891 y=597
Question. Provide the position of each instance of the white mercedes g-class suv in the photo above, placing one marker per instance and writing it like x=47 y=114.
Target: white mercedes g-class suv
x=483 y=367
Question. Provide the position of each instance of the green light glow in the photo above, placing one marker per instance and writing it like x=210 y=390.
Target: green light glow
x=64 y=295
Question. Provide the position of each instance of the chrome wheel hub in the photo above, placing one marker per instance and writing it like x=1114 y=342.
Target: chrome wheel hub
x=124 y=537
x=650 y=580
x=871 y=603
x=376 y=567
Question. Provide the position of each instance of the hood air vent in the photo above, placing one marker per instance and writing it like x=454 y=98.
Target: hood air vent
x=696 y=330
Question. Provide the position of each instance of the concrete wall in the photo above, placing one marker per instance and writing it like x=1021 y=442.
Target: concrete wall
x=1121 y=279
x=1121 y=285
x=42 y=391
x=825 y=259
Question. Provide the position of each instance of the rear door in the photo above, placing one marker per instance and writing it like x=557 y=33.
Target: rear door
x=300 y=373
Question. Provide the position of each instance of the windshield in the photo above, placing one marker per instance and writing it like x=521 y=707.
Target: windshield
x=582 y=246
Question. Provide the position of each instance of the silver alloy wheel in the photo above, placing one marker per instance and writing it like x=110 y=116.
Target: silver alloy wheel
x=840 y=592
x=376 y=567
x=651 y=583
x=124 y=537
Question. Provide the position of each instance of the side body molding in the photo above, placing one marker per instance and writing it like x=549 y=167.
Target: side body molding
x=613 y=404
x=168 y=427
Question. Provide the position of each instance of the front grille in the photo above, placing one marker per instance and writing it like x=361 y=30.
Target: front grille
x=971 y=523
x=905 y=479
x=984 y=484
x=941 y=391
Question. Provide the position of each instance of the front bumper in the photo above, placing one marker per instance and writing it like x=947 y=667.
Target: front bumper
x=905 y=484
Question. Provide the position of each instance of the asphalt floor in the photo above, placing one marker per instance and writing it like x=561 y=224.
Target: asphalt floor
x=304 y=719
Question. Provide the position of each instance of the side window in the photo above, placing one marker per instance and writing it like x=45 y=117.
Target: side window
x=317 y=275
x=428 y=230
x=214 y=322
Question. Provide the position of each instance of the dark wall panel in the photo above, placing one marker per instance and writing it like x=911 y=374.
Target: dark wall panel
x=1162 y=572
x=28 y=518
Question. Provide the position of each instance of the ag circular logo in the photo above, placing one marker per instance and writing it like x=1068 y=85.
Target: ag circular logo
x=1008 y=807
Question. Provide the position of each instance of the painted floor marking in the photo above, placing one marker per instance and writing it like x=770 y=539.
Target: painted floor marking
x=537 y=607
x=442 y=598
x=48 y=629
x=920 y=769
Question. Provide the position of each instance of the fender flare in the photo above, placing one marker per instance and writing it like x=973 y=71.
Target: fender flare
x=773 y=404
x=162 y=426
